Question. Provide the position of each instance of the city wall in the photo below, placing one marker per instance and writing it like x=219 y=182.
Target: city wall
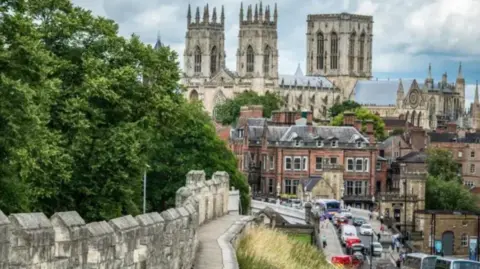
x=166 y=240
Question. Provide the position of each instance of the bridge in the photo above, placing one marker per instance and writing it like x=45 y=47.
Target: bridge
x=292 y=215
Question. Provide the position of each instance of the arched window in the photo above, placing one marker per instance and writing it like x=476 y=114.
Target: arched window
x=250 y=59
x=266 y=60
x=193 y=95
x=320 y=50
x=198 y=60
x=333 y=51
x=361 y=55
x=213 y=61
x=351 y=52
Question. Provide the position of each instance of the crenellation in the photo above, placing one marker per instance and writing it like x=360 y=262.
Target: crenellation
x=154 y=240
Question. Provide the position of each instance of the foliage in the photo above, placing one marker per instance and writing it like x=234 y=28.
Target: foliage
x=364 y=115
x=397 y=131
x=445 y=190
x=338 y=109
x=268 y=248
x=303 y=238
x=228 y=112
x=79 y=126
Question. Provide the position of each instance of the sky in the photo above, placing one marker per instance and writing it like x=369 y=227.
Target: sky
x=408 y=34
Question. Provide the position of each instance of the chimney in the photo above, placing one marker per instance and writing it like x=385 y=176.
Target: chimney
x=252 y=111
x=417 y=138
x=452 y=127
x=370 y=131
x=358 y=125
x=349 y=119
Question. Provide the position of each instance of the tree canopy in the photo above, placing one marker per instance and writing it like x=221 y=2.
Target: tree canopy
x=83 y=111
x=228 y=112
x=445 y=190
x=364 y=115
x=338 y=109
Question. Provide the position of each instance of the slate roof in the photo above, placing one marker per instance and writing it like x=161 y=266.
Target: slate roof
x=395 y=122
x=379 y=92
x=380 y=158
x=310 y=183
x=413 y=157
x=442 y=137
x=299 y=79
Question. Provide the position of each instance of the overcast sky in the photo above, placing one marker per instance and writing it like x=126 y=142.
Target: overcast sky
x=408 y=34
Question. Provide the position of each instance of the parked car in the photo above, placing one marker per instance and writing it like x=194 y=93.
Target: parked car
x=296 y=203
x=358 y=221
x=377 y=249
x=347 y=214
x=366 y=229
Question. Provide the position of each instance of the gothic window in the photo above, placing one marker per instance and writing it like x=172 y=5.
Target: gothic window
x=361 y=55
x=351 y=52
x=193 y=95
x=320 y=50
x=213 y=61
x=333 y=51
x=250 y=59
x=266 y=60
x=198 y=60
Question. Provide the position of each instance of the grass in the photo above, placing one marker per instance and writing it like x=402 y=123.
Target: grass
x=263 y=248
x=304 y=238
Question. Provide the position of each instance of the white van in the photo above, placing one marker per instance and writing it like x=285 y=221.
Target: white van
x=347 y=231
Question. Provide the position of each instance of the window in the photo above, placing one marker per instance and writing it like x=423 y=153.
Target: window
x=318 y=163
x=469 y=184
x=198 y=60
x=298 y=143
x=472 y=154
x=351 y=52
x=250 y=59
x=213 y=61
x=305 y=163
x=240 y=133
x=472 y=168
x=297 y=163
x=333 y=160
x=366 y=165
x=460 y=154
x=350 y=164
x=264 y=162
x=359 y=144
x=358 y=165
x=397 y=154
x=320 y=50
x=319 y=144
x=271 y=162
x=288 y=163
x=358 y=188
x=334 y=143
x=361 y=55
x=288 y=186
x=271 y=185
x=464 y=240
x=349 y=188
x=378 y=166
x=245 y=161
x=333 y=51
x=266 y=60
x=295 y=186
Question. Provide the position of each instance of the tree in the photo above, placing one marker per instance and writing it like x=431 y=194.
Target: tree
x=347 y=105
x=445 y=190
x=228 y=112
x=364 y=115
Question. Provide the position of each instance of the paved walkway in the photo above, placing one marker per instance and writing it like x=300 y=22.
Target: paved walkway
x=209 y=255
x=333 y=243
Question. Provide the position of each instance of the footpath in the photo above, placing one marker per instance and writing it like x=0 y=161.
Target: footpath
x=333 y=244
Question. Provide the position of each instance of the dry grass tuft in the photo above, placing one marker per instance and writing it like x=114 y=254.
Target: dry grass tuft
x=263 y=248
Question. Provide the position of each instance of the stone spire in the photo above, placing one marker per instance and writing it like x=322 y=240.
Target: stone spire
x=475 y=100
x=429 y=80
x=206 y=15
x=430 y=71
x=400 y=87
x=222 y=16
x=241 y=12
x=189 y=15
x=275 y=14
x=255 y=18
x=249 y=13
x=214 y=15
x=261 y=12
x=197 y=15
x=460 y=75
x=158 y=43
x=267 y=13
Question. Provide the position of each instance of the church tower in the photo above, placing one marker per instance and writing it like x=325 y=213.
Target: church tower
x=460 y=89
x=257 y=54
x=204 y=53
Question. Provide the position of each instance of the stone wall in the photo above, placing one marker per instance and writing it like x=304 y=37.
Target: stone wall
x=166 y=240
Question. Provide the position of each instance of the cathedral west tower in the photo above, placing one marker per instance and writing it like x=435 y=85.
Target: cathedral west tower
x=257 y=54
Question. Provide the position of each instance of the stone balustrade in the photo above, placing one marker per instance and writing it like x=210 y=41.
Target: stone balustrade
x=153 y=240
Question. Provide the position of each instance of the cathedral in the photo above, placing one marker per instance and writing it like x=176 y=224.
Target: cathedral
x=338 y=68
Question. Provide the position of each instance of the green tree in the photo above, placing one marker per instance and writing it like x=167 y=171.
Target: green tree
x=397 y=131
x=228 y=112
x=445 y=190
x=364 y=115
x=338 y=109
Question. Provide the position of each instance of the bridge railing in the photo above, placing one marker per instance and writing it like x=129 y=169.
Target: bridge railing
x=280 y=209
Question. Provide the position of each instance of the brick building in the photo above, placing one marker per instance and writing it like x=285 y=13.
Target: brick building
x=282 y=152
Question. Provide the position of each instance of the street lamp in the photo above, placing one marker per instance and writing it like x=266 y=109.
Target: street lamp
x=371 y=240
x=342 y=191
x=145 y=188
x=405 y=213
x=278 y=192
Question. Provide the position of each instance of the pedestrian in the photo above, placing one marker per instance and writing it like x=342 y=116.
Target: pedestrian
x=381 y=219
x=382 y=229
x=370 y=215
x=378 y=237
x=398 y=262
x=397 y=244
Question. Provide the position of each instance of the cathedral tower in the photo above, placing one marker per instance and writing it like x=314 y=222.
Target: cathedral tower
x=257 y=54
x=204 y=53
x=460 y=89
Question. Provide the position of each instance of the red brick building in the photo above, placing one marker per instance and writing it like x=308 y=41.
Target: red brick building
x=279 y=153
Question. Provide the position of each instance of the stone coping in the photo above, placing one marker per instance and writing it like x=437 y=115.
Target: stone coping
x=228 y=240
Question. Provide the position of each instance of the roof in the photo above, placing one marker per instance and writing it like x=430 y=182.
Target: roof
x=380 y=158
x=298 y=79
x=413 y=157
x=378 y=92
x=442 y=137
x=310 y=183
x=395 y=122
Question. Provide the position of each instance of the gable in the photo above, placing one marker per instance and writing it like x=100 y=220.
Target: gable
x=223 y=76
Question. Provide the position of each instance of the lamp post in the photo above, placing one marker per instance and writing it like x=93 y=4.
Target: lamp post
x=371 y=240
x=145 y=188
x=405 y=213
x=342 y=191
x=278 y=192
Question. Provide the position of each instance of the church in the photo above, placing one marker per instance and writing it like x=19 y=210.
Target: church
x=338 y=68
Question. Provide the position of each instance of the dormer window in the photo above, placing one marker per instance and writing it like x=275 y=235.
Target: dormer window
x=240 y=133
x=319 y=143
x=334 y=143
x=298 y=143
x=359 y=144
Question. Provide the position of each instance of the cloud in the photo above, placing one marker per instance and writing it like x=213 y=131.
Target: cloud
x=408 y=34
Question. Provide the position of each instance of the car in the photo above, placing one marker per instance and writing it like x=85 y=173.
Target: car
x=377 y=249
x=366 y=229
x=358 y=221
x=347 y=214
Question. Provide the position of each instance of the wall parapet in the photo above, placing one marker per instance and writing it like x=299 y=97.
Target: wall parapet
x=228 y=242
x=153 y=240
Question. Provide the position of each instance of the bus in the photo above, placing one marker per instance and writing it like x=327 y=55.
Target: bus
x=330 y=207
x=419 y=261
x=452 y=263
